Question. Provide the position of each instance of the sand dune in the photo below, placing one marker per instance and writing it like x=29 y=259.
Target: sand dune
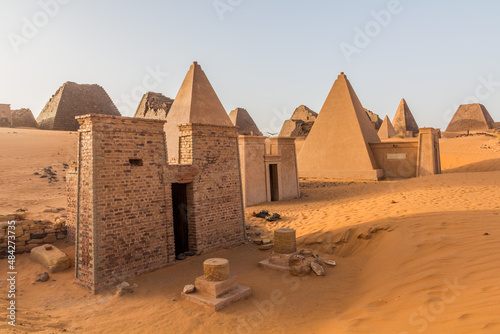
x=413 y=256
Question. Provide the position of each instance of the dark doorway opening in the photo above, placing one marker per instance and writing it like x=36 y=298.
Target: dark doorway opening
x=179 y=204
x=273 y=182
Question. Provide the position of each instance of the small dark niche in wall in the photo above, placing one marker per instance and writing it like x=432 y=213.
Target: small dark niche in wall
x=135 y=162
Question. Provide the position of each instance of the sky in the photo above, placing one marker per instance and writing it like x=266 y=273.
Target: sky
x=266 y=56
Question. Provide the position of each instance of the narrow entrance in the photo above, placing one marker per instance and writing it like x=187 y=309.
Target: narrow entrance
x=273 y=182
x=179 y=205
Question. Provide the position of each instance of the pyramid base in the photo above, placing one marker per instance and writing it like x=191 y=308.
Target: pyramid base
x=371 y=175
x=215 y=304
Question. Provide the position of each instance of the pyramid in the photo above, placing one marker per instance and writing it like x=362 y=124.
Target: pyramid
x=23 y=118
x=303 y=113
x=242 y=119
x=154 y=106
x=374 y=118
x=338 y=144
x=404 y=121
x=72 y=99
x=300 y=124
x=195 y=103
x=471 y=117
x=386 y=129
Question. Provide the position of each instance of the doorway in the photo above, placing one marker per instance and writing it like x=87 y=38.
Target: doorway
x=273 y=182
x=179 y=206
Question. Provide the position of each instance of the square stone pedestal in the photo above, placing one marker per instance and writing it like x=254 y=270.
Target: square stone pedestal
x=216 y=295
x=277 y=261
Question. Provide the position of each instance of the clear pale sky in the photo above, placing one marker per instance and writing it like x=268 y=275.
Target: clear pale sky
x=266 y=56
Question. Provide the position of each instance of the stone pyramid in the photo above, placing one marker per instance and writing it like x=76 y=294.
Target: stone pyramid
x=471 y=117
x=386 y=129
x=242 y=119
x=72 y=99
x=404 y=120
x=338 y=144
x=300 y=124
x=303 y=113
x=374 y=118
x=23 y=118
x=195 y=103
x=154 y=106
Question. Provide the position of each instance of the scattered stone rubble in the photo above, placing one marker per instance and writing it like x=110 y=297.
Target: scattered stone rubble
x=50 y=173
x=285 y=256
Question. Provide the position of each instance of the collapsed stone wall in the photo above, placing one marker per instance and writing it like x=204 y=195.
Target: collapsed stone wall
x=72 y=100
x=23 y=118
x=154 y=106
x=30 y=233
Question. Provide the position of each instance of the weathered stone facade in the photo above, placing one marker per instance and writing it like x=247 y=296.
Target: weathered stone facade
x=71 y=100
x=23 y=118
x=5 y=116
x=154 y=106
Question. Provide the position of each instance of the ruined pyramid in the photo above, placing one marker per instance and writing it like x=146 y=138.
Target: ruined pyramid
x=72 y=99
x=154 y=106
x=195 y=103
x=404 y=120
x=23 y=118
x=386 y=129
x=338 y=144
x=300 y=124
x=242 y=119
x=471 y=117
x=374 y=118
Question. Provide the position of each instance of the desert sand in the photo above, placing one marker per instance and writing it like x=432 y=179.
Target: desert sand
x=413 y=256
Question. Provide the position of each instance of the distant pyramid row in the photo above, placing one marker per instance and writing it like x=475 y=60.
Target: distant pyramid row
x=73 y=99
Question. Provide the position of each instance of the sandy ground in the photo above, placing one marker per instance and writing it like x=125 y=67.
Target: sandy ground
x=413 y=256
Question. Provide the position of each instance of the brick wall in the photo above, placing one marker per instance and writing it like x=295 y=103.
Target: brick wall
x=215 y=203
x=120 y=196
x=124 y=210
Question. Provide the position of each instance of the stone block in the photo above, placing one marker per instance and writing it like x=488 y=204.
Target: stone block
x=215 y=289
x=215 y=304
x=53 y=259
